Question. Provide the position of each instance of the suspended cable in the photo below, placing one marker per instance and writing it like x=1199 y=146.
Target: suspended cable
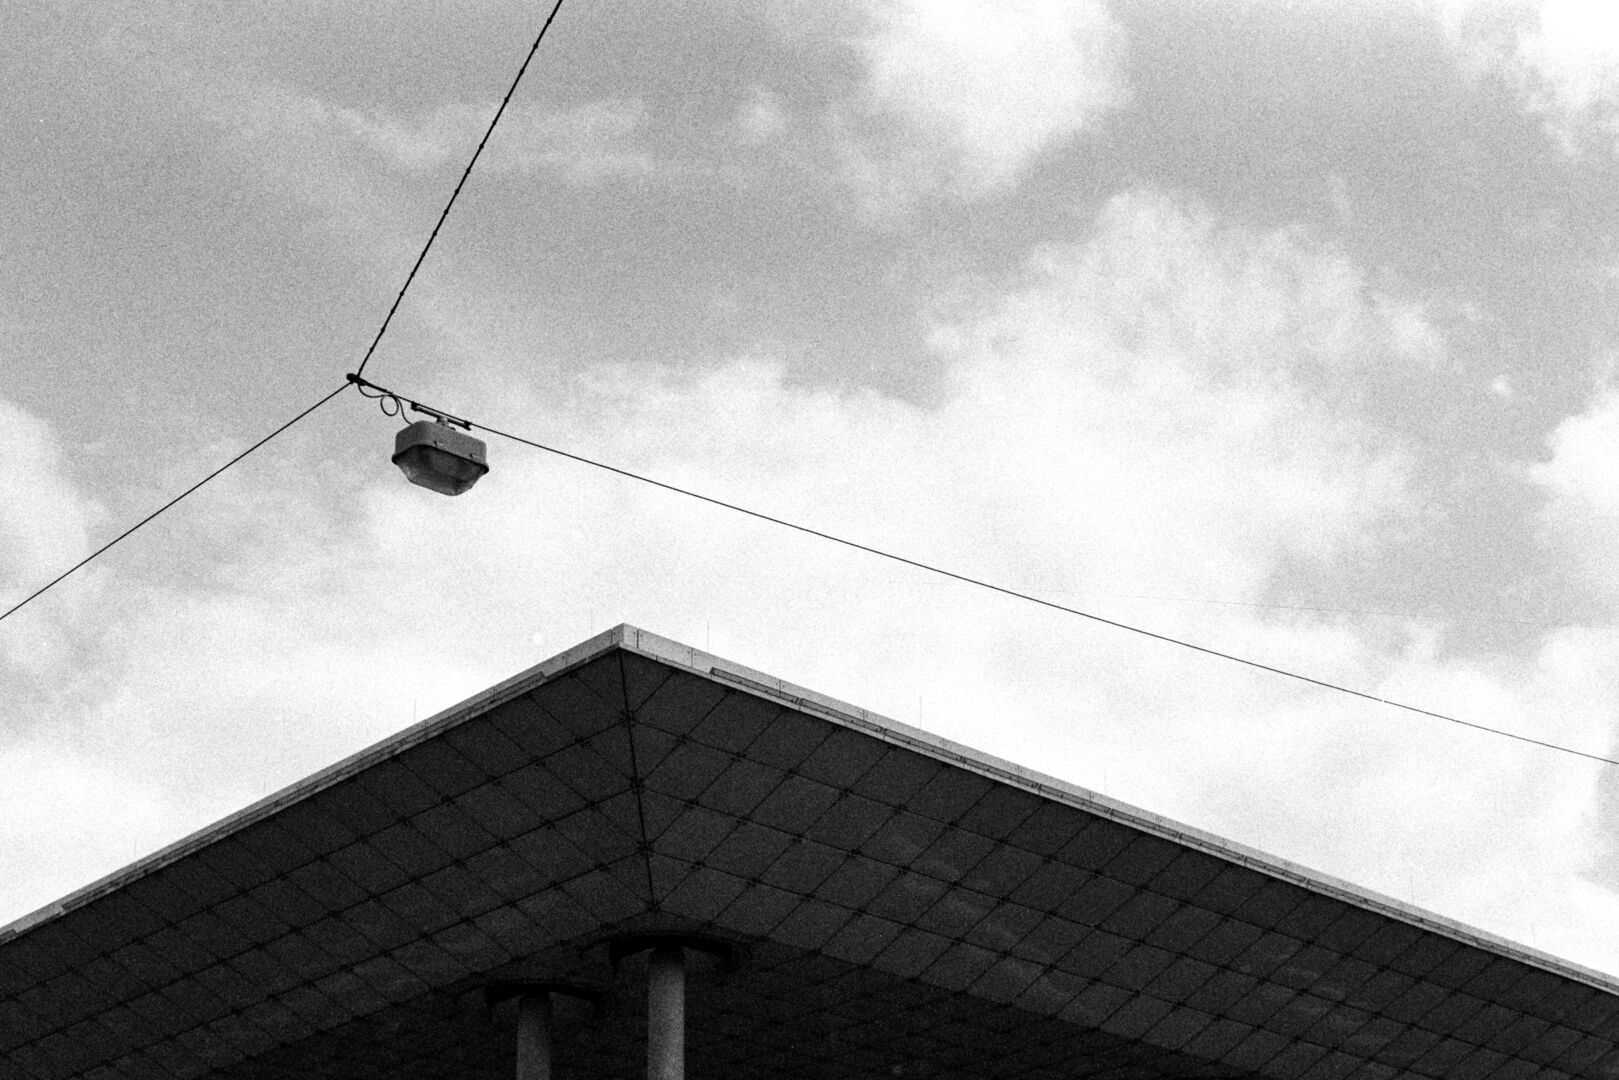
x=133 y=528
x=1471 y=616
x=992 y=587
x=534 y=48
x=381 y=330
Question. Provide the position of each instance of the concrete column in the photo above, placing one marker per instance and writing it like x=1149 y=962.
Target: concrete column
x=666 y=1013
x=534 y=1036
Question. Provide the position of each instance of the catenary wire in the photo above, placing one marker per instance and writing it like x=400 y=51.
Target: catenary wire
x=1472 y=616
x=1003 y=590
x=133 y=528
x=383 y=329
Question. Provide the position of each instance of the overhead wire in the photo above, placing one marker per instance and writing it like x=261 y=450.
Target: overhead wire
x=490 y=130
x=1001 y=589
x=375 y=341
x=98 y=552
x=1378 y=613
x=356 y=380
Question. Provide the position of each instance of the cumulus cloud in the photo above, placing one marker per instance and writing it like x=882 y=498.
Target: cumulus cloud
x=45 y=526
x=966 y=94
x=358 y=167
x=1088 y=450
x=303 y=152
x=1562 y=56
x=1164 y=278
x=584 y=143
x=43 y=517
x=762 y=117
x=1573 y=52
x=1582 y=517
x=97 y=819
x=1091 y=448
x=359 y=185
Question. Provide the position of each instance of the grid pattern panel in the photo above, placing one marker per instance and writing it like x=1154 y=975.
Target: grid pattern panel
x=788 y=1015
x=880 y=856
x=442 y=861
x=908 y=917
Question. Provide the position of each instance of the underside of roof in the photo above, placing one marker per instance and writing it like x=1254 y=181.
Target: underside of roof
x=892 y=906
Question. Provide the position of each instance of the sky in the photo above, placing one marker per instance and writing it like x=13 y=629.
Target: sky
x=1285 y=328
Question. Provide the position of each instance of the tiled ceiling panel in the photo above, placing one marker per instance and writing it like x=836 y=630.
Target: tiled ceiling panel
x=895 y=906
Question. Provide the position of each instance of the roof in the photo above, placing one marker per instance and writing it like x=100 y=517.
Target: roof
x=899 y=906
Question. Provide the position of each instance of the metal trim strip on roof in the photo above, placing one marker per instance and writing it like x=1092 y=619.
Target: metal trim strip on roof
x=394 y=744
x=706 y=665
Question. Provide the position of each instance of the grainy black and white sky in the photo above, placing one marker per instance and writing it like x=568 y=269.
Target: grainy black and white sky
x=1286 y=328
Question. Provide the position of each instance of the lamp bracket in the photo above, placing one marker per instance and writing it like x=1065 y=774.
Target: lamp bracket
x=442 y=417
x=437 y=414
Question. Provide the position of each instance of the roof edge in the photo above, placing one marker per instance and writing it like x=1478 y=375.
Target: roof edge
x=517 y=685
x=699 y=662
x=707 y=665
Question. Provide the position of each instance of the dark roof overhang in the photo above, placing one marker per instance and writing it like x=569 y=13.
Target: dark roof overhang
x=900 y=906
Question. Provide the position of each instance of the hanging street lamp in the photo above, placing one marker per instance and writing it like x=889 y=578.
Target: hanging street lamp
x=438 y=455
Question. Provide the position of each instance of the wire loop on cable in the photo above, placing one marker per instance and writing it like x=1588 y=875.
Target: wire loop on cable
x=381 y=396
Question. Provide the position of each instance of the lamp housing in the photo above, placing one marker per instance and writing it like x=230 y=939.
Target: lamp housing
x=439 y=457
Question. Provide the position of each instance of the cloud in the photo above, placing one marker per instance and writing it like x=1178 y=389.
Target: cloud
x=1573 y=52
x=45 y=527
x=358 y=187
x=1561 y=56
x=1582 y=517
x=43 y=516
x=1089 y=449
x=965 y=95
x=1093 y=450
x=305 y=153
x=361 y=169
x=761 y=118
x=1165 y=279
x=95 y=815
x=585 y=143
